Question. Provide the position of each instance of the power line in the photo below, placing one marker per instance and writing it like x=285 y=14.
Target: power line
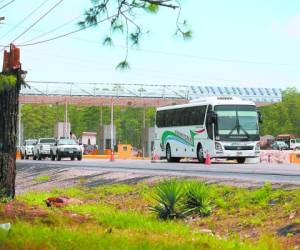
x=69 y=33
x=163 y=52
x=5 y=5
x=171 y=53
x=24 y=19
x=38 y=20
x=193 y=56
x=54 y=29
x=27 y=43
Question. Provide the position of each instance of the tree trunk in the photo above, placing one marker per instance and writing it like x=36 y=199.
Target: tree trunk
x=9 y=103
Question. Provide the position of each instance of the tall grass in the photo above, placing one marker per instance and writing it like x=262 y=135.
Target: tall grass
x=38 y=236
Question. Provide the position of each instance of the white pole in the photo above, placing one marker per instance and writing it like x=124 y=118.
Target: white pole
x=66 y=120
x=144 y=130
x=112 y=126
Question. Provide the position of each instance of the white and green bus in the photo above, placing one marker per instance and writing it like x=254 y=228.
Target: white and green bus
x=223 y=127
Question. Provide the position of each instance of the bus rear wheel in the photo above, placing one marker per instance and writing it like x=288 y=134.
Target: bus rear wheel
x=241 y=160
x=169 y=155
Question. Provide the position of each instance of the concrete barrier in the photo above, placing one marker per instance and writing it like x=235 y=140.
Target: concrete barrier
x=295 y=157
x=275 y=156
x=115 y=156
x=98 y=156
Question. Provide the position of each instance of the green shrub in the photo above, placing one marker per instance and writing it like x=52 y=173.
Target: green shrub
x=198 y=198
x=262 y=195
x=170 y=197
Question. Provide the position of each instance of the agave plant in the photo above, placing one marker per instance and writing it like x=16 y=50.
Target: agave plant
x=169 y=196
x=198 y=199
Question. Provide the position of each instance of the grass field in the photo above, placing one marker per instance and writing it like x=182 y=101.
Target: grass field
x=118 y=217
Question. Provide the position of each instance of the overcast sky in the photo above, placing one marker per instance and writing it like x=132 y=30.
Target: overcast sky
x=235 y=43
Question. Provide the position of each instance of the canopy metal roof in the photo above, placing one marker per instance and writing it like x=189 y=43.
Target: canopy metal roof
x=136 y=94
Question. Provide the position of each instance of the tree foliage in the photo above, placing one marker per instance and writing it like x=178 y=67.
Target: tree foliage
x=39 y=120
x=7 y=81
x=282 y=117
x=122 y=16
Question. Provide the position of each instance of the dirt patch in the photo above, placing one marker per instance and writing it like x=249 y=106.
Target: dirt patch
x=63 y=178
x=128 y=201
x=18 y=209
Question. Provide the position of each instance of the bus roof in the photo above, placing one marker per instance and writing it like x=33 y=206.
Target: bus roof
x=214 y=100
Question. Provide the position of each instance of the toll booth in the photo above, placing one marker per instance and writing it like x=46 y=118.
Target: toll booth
x=147 y=141
x=62 y=129
x=105 y=137
x=89 y=138
x=124 y=151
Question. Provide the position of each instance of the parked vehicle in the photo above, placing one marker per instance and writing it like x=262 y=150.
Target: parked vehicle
x=295 y=144
x=87 y=149
x=279 y=145
x=287 y=138
x=64 y=148
x=41 y=149
x=27 y=148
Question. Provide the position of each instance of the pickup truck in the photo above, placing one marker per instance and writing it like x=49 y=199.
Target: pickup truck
x=295 y=144
x=42 y=148
x=65 y=148
x=27 y=149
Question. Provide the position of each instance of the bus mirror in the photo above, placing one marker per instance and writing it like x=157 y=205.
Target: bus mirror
x=211 y=117
x=260 y=119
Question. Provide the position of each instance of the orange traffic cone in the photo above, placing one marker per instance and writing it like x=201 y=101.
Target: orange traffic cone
x=155 y=157
x=112 y=157
x=207 y=159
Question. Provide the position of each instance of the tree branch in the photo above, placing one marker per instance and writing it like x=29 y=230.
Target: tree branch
x=161 y=3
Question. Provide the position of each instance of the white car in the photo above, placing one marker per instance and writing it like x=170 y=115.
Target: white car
x=27 y=148
x=41 y=149
x=65 y=148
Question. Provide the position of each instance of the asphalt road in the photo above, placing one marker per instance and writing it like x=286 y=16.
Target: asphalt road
x=273 y=173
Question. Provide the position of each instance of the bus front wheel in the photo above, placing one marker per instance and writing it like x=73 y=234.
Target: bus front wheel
x=200 y=154
x=241 y=160
x=169 y=155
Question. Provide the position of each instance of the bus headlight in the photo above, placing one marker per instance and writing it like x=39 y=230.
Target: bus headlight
x=218 y=147
x=257 y=148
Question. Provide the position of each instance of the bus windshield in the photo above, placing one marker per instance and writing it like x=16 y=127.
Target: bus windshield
x=236 y=122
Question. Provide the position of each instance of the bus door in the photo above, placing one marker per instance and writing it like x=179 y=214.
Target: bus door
x=209 y=144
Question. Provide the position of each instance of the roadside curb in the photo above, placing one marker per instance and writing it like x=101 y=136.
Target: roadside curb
x=107 y=157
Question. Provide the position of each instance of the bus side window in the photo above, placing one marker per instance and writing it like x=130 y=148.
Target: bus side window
x=160 y=119
x=209 y=125
x=202 y=111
